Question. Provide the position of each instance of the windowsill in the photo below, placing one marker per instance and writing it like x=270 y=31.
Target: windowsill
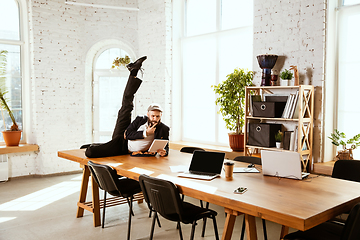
x=23 y=147
x=229 y=154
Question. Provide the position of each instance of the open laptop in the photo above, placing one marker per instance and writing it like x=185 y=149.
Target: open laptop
x=282 y=164
x=205 y=165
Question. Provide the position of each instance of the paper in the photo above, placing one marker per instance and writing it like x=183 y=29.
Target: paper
x=245 y=170
x=179 y=168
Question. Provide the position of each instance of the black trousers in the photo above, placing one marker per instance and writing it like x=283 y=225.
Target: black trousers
x=118 y=145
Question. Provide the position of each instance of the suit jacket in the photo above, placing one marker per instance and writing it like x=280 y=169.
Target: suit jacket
x=161 y=131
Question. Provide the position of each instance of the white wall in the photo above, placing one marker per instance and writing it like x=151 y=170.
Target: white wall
x=61 y=36
x=294 y=30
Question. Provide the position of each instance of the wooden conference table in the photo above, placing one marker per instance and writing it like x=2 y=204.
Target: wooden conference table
x=291 y=203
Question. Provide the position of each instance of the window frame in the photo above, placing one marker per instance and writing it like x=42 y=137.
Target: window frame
x=23 y=43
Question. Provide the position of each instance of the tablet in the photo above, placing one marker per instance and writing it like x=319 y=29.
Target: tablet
x=158 y=144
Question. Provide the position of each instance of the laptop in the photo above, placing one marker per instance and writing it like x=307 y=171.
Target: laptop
x=282 y=164
x=205 y=165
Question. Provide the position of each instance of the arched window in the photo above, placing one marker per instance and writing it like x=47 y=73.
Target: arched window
x=12 y=48
x=108 y=87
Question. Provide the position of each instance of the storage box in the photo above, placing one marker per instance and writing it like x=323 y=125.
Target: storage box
x=263 y=134
x=268 y=109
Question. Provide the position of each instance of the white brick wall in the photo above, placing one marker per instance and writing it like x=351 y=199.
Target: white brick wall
x=63 y=34
x=294 y=30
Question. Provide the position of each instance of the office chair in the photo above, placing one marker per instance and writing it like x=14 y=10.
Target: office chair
x=347 y=170
x=109 y=181
x=190 y=149
x=165 y=199
x=252 y=160
x=332 y=230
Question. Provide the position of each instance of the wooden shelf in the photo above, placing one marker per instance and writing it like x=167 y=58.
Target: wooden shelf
x=17 y=149
x=304 y=122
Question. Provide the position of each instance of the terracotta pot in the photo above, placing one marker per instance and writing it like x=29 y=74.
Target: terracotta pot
x=12 y=138
x=236 y=142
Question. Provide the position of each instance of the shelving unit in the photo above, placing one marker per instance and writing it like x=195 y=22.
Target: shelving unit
x=304 y=122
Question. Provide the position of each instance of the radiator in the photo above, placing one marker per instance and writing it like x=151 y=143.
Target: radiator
x=4 y=169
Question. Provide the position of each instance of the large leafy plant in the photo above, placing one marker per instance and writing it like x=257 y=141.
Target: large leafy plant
x=231 y=98
x=3 y=91
x=339 y=139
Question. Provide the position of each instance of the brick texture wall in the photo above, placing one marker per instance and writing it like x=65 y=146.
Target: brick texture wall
x=61 y=36
x=294 y=30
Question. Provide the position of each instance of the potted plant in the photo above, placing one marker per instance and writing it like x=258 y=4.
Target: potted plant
x=339 y=138
x=121 y=61
x=286 y=76
x=278 y=139
x=12 y=136
x=231 y=99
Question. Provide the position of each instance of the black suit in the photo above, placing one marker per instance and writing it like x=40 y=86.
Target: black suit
x=118 y=145
x=161 y=131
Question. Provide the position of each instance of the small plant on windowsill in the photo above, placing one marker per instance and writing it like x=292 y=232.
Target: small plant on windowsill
x=121 y=62
x=339 y=139
x=12 y=136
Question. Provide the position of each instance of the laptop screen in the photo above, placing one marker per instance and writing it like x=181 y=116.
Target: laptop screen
x=208 y=162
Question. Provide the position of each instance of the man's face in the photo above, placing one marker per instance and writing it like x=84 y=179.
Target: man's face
x=154 y=117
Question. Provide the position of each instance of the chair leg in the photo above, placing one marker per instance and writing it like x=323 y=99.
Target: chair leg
x=193 y=230
x=130 y=203
x=130 y=213
x=180 y=232
x=215 y=228
x=242 y=230
x=103 y=220
x=204 y=221
x=158 y=221
x=153 y=226
x=157 y=217
x=264 y=228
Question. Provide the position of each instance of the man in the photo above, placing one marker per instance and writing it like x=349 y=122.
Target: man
x=136 y=136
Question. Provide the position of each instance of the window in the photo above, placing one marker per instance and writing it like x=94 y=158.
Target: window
x=108 y=87
x=12 y=45
x=217 y=38
x=348 y=65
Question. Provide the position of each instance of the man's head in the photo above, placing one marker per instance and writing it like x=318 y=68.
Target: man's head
x=154 y=113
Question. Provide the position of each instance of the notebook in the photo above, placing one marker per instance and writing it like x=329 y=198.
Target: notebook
x=205 y=165
x=282 y=164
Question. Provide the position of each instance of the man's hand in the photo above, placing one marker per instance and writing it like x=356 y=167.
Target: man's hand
x=161 y=152
x=151 y=130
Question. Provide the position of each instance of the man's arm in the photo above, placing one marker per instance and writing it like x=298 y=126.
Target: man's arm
x=132 y=132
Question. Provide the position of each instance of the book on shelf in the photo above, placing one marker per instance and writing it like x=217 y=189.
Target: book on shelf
x=292 y=141
x=296 y=138
x=288 y=106
x=286 y=140
x=294 y=105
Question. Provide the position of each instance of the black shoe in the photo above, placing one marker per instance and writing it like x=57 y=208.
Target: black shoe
x=136 y=65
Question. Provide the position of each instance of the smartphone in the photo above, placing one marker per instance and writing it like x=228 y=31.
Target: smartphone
x=240 y=190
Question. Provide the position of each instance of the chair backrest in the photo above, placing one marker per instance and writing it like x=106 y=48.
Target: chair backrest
x=105 y=176
x=248 y=159
x=351 y=229
x=190 y=149
x=347 y=170
x=163 y=196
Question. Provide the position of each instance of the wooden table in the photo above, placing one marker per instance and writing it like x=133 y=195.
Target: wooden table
x=291 y=203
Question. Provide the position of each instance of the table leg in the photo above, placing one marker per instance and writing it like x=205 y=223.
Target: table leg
x=250 y=227
x=83 y=190
x=95 y=202
x=284 y=231
x=229 y=226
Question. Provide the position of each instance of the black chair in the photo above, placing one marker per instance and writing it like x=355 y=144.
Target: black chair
x=332 y=230
x=347 y=170
x=190 y=149
x=165 y=199
x=109 y=181
x=251 y=160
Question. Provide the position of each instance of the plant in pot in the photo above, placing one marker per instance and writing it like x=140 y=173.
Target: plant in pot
x=12 y=136
x=339 y=139
x=278 y=139
x=231 y=100
x=121 y=61
x=286 y=77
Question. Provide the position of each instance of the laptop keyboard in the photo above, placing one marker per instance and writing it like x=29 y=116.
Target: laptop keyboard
x=202 y=173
